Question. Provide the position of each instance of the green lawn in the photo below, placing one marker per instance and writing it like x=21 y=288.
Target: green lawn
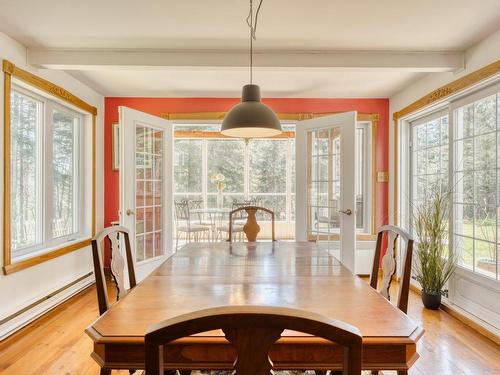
x=484 y=250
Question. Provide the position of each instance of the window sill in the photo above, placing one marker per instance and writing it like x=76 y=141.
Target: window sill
x=37 y=259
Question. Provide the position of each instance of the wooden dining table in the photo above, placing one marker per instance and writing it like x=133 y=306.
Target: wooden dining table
x=289 y=274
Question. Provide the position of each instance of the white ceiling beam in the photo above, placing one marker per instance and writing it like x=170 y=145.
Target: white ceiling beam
x=365 y=60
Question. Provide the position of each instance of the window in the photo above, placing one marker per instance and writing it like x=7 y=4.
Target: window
x=262 y=169
x=46 y=182
x=476 y=203
x=429 y=155
x=473 y=123
x=249 y=171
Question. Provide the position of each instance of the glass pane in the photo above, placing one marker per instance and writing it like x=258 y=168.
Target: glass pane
x=464 y=120
x=485 y=185
x=464 y=248
x=464 y=187
x=419 y=136
x=485 y=257
x=25 y=208
x=434 y=132
x=485 y=225
x=464 y=154
x=149 y=193
x=225 y=166
x=267 y=172
x=187 y=166
x=464 y=220
x=485 y=115
x=485 y=152
x=64 y=132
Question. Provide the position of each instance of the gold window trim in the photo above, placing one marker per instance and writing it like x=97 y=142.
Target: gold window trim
x=11 y=70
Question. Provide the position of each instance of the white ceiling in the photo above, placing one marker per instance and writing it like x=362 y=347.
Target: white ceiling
x=423 y=25
x=198 y=82
x=291 y=24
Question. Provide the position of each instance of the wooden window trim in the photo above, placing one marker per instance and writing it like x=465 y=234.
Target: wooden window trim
x=11 y=70
x=373 y=118
x=435 y=96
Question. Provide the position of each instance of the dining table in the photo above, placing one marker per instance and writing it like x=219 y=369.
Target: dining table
x=301 y=275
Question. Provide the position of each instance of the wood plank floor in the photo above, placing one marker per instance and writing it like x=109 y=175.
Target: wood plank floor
x=56 y=344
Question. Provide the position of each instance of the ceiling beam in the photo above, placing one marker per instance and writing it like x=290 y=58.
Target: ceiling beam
x=83 y=59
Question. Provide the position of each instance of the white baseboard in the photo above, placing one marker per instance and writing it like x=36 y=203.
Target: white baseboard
x=15 y=323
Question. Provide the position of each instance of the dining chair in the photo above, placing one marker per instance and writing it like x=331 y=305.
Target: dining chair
x=388 y=264
x=197 y=204
x=184 y=224
x=237 y=221
x=117 y=268
x=388 y=267
x=251 y=227
x=252 y=330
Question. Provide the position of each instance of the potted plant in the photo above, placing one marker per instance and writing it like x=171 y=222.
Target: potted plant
x=433 y=264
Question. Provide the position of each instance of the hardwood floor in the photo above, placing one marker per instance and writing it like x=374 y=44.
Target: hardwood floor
x=56 y=344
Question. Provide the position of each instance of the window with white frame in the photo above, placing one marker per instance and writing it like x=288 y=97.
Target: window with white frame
x=429 y=155
x=46 y=173
x=472 y=123
x=476 y=129
x=262 y=169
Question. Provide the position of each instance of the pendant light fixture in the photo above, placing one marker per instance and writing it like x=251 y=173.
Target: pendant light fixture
x=251 y=118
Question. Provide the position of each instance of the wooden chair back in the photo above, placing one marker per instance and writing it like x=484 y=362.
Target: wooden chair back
x=252 y=330
x=388 y=264
x=251 y=228
x=117 y=266
x=241 y=215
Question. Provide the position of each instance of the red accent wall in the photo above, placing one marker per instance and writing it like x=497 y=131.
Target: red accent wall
x=156 y=106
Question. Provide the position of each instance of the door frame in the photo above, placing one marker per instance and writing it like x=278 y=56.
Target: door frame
x=345 y=120
x=128 y=118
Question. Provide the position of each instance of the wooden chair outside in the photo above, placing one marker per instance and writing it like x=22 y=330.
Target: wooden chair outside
x=251 y=228
x=117 y=268
x=252 y=330
x=388 y=266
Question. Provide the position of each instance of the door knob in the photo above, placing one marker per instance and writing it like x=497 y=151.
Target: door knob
x=346 y=212
x=129 y=212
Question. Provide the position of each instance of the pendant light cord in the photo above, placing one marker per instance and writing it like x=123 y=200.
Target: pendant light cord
x=252 y=24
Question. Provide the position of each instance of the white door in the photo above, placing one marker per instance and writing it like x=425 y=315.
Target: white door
x=146 y=187
x=325 y=178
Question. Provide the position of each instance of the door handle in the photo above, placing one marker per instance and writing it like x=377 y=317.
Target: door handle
x=347 y=212
x=129 y=212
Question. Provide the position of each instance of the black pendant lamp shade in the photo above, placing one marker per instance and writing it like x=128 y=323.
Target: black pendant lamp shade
x=251 y=118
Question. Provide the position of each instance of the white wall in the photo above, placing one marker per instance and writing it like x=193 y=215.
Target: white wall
x=22 y=288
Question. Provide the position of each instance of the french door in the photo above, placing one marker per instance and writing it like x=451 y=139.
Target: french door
x=325 y=178
x=146 y=187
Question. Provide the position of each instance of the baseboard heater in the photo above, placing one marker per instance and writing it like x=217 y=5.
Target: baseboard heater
x=34 y=310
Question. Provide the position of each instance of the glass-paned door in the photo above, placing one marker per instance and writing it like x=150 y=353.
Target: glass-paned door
x=145 y=187
x=325 y=160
